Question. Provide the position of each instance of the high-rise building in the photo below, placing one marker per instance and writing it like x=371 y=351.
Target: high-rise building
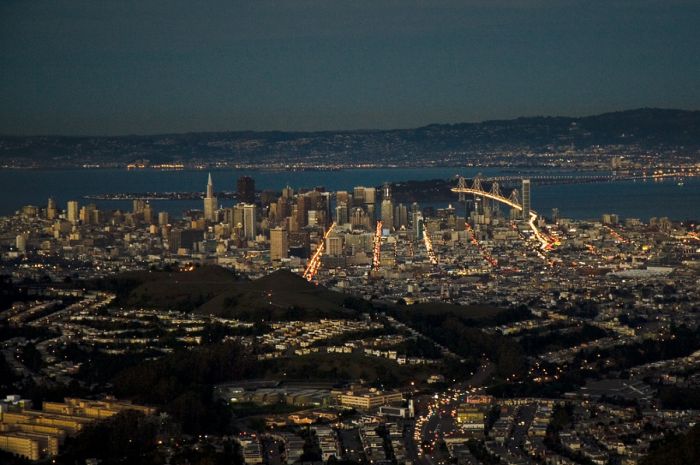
x=358 y=196
x=147 y=214
x=73 y=211
x=303 y=205
x=387 y=214
x=283 y=210
x=246 y=189
x=238 y=214
x=417 y=221
x=87 y=215
x=415 y=213
x=401 y=216
x=526 y=199
x=387 y=208
x=138 y=205
x=210 y=202
x=279 y=244
x=249 y=221
x=341 y=213
x=163 y=218
x=343 y=197
x=370 y=208
x=287 y=193
x=312 y=218
x=555 y=215
x=334 y=246
x=370 y=195
x=359 y=219
x=51 y=210
x=21 y=242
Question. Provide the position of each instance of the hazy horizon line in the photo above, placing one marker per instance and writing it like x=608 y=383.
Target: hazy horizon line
x=358 y=129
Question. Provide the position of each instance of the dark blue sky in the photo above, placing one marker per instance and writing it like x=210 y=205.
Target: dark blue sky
x=121 y=66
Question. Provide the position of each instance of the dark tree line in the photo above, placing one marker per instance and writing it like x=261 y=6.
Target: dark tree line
x=181 y=384
x=676 y=450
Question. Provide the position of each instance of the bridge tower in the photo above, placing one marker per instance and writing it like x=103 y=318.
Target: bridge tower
x=496 y=191
x=515 y=199
x=476 y=185
x=478 y=200
x=462 y=184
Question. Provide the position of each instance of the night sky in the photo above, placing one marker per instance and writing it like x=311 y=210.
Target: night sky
x=133 y=67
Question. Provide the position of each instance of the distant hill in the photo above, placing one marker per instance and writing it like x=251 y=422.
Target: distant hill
x=217 y=291
x=647 y=127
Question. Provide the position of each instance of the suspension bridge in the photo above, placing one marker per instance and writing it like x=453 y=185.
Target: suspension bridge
x=513 y=201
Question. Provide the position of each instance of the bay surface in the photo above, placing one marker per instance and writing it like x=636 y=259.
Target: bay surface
x=638 y=199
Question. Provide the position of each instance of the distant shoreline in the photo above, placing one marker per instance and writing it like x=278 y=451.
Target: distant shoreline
x=299 y=169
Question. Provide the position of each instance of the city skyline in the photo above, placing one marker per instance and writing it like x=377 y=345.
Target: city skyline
x=371 y=232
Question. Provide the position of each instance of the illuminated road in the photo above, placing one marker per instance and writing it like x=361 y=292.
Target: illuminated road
x=376 y=258
x=315 y=262
x=615 y=234
x=429 y=248
x=485 y=255
x=438 y=418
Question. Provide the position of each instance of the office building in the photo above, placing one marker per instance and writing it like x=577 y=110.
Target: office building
x=366 y=399
x=370 y=196
x=401 y=216
x=246 y=189
x=237 y=217
x=249 y=222
x=287 y=193
x=147 y=214
x=359 y=219
x=418 y=226
x=210 y=202
x=73 y=211
x=303 y=205
x=163 y=218
x=341 y=213
x=334 y=246
x=526 y=199
x=51 y=210
x=279 y=244
x=137 y=206
x=387 y=213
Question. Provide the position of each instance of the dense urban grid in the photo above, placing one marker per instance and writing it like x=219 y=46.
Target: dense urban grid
x=315 y=326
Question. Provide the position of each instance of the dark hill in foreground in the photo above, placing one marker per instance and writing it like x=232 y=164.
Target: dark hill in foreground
x=279 y=295
x=174 y=290
x=218 y=291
